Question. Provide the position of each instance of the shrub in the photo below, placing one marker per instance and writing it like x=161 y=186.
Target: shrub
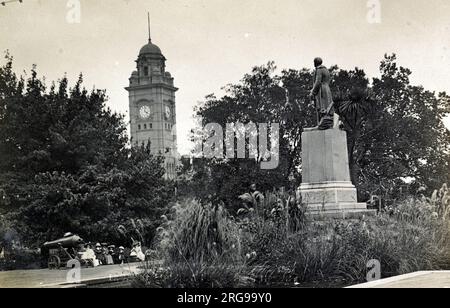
x=200 y=247
x=20 y=259
x=200 y=233
x=410 y=237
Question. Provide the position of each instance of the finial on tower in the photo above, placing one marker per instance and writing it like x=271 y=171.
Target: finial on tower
x=149 y=33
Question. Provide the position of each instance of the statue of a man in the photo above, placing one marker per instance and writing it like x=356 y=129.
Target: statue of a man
x=321 y=94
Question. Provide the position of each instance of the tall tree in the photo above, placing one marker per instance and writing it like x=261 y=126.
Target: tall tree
x=395 y=130
x=65 y=165
x=259 y=98
x=408 y=139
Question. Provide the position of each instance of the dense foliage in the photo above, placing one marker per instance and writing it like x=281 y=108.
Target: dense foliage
x=396 y=137
x=276 y=246
x=65 y=165
x=198 y=247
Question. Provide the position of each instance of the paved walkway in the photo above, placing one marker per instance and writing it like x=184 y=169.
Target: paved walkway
x=57 y=278
x=438 y=279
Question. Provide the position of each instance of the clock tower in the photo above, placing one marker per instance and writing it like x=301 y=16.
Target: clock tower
x=152 y=106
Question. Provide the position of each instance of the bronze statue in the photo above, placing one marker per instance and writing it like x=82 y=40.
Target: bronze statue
x=321 y=94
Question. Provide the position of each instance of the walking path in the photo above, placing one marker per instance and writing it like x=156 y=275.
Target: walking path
x=58 y=278
x=45 y=278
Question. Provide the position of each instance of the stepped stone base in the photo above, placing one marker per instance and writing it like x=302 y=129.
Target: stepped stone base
x=326 y=189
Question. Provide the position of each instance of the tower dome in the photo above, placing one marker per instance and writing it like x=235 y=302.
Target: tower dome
x=150 y=48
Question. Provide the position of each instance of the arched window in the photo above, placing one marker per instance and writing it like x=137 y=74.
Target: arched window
x=139 y=127
x=145 y=126
x=145 y=70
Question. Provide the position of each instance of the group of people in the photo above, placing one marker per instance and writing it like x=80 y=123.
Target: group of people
x=104 y=254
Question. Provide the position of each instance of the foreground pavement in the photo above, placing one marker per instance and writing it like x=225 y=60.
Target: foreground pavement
x=434 y=279
x=45 y=278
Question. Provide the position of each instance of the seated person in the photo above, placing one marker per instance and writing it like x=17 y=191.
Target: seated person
x=136 y=253
x=89 y=255
x=111 y=255
x=121 y=255
x=99 y=254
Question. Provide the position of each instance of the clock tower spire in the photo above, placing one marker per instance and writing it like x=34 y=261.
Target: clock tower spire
x=152 y=105
x=149 y=32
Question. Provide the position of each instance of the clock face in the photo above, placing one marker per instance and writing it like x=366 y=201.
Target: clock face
x=167 y=112
x=145 y=112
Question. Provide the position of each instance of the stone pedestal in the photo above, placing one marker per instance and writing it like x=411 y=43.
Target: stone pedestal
x=327 y=189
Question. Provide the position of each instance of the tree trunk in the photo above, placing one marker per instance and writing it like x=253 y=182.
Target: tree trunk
x=351 y=143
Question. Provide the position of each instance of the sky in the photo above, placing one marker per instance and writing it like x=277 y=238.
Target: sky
x=211 y=43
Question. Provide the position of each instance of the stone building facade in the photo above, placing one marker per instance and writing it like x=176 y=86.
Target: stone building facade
x=152 y=106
